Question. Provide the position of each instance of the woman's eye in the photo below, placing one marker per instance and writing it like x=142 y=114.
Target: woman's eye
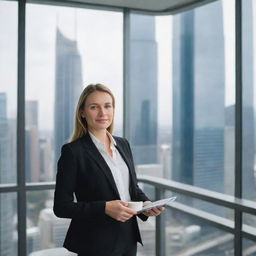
x=108 y=106
x=93 y=107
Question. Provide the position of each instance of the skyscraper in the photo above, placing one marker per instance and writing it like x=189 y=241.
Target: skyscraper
x=46 y=159
x=33 y=239
x=32 y=162
x=198 y=98
x=52 y=229
x=6 y=176
x=142 y=89
x=68 y=86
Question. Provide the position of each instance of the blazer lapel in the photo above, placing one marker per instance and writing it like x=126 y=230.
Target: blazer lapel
x=97 y=157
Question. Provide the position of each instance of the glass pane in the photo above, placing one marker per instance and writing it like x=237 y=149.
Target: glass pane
x=142 y=107
x=249 y=248
x=8 y=224
x=149 y=94
x=148 y=235
x=249 y=220
x=44 y=229
x=203 y=97
x=249 y=96
x=8 y=91
x=176 y=130
x=64 y=53
x=202 y=205
x=187 y=235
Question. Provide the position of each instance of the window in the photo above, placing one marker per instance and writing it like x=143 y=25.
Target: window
x=8 y=118
x=203 y=97
x=8 y=91
x=181 y=84
x=68 y=54
x=179 y=115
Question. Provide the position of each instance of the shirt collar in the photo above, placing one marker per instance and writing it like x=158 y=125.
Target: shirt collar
x=101 y=145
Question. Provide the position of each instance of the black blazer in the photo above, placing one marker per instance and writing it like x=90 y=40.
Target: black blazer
x=83 y=171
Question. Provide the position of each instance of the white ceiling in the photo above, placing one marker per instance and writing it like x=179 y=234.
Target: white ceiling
x=147 y=5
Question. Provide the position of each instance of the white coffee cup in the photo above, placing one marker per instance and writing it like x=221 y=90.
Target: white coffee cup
x=137 y=206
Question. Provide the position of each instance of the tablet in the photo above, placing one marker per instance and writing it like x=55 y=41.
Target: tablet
x=161 y=202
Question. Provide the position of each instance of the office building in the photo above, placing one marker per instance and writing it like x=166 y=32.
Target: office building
x=46 y=159
x=198 y=102
x=33 y=239
x=142 y=89
x=68 y=86
x=52 y=229
x=6 y=176
x=32 y=142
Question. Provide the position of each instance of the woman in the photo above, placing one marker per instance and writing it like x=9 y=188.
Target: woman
x=98 y=168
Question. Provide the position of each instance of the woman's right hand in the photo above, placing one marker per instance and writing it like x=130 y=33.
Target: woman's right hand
x=119 y=211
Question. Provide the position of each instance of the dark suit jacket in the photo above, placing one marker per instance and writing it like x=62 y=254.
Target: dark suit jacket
x=83 y=171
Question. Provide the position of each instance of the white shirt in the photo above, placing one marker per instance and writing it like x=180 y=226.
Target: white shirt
x=116 y=164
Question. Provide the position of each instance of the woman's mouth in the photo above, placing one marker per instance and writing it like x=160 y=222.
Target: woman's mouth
x=102 y=120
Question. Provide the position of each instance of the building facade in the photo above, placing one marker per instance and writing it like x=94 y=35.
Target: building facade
x=68 y=86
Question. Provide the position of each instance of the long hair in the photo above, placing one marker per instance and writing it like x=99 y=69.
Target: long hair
x=80 y=123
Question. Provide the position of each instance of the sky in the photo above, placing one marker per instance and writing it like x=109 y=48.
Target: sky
x=99 y=37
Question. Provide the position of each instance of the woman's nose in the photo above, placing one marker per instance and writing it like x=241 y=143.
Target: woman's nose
x=102 y=111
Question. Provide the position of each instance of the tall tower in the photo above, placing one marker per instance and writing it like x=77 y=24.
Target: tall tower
x=32 y=162
x=198 y=93
x=142 y=89
x=183 y=97
x=6 y=176
x=68 y=86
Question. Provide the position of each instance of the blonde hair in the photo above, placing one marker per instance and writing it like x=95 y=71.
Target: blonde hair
x=80 y=128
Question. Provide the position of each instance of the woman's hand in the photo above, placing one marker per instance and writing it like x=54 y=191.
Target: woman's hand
x=119 y=211
x=153 y=211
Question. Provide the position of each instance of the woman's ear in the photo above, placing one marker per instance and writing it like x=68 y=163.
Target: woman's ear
x=82 y=114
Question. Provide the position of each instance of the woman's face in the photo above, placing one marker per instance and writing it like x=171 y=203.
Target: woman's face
x=98 y=111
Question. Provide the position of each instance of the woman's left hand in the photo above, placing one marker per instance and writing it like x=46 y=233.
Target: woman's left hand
x=153 y=211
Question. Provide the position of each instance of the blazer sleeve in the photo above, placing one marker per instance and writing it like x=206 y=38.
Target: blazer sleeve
x=66 y=180
x=140 y=195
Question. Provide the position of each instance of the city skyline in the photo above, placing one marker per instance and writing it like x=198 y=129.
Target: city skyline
x=64 y=17
x=211 y=127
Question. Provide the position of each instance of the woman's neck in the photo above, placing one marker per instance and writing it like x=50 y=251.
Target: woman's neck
x=100 y=134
